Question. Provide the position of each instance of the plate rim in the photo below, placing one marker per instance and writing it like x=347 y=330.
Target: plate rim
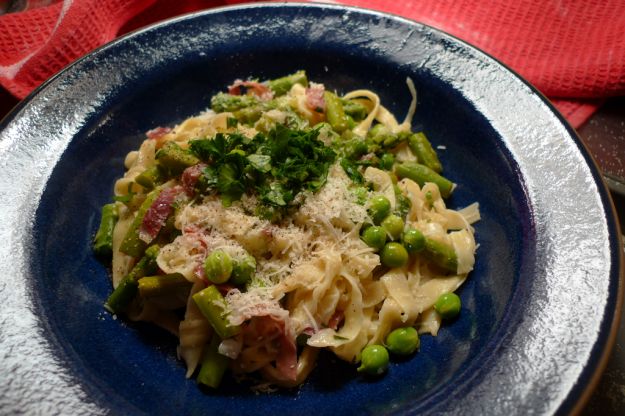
x=603 y=188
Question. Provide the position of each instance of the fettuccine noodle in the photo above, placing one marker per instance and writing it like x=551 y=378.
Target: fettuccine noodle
x=316 y=283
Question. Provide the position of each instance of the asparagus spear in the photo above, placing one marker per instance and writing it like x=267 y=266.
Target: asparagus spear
x=132 y=244
x=441 y=254
x=126 y=291
x=213 y=307
x=150 y=286
x=174 y=159
x=422 y=174
x=150 y=178
x=421 y=147
x=213 y=365
x=281 y=86
x=123 y=294
x=379 y=133
x=249 y=115
x=334 y=112
x=103 y=241
x=355 y=110
x=222 y=102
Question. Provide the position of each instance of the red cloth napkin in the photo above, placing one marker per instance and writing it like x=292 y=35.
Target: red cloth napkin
x=573 y=51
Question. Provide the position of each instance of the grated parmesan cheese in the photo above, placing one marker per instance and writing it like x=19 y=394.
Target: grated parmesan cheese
x=255 y=302
x=334 y=203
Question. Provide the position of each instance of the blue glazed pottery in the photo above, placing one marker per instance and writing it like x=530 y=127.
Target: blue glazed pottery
x=539 y=310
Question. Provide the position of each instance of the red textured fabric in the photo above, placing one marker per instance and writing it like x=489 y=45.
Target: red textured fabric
x=573 y=51
x=37 y=43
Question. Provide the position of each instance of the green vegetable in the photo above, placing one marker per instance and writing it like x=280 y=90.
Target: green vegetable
x=168 y=231
x=281 y=86
x=276 y=166
x=379 y=208
x=231 y=122
x=150 y=178
x=173 y=159
x=355 y=110
x=103 y=241
x=121 y=297
x=249 y=115
x=151 y=286
x=150 y=259
x=229 y=183
x=394 y=255
x=214 y=151
x=351 y=169
x=300 y=160
x=422 y=174
x=441 y=254
x=132 y=244
x=379 y=132
x=214 y=364
x=222 y=102
x=403 y=204
x=361 y=193
x=255 y=281
x=243 y=270
x=218 y=266
x=261 y=163
x=393 y=225
x=213 y=306
x=386 y=161
x=127 y=288
x=413 y=240
x=374 y=360
x=374 y=237
x=421 y=147
x=403 y=341
x=335 y=113
x=382 y=136
x=126 y=199
x=353 y=148
x=448 y=305
x=429 y=198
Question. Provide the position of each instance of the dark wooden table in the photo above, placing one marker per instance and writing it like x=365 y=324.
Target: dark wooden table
x=604 y=135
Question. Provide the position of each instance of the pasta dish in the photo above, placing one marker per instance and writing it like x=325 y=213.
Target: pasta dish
x=284 y=220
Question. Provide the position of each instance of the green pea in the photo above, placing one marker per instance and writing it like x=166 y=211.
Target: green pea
x=375 y=237
x=394 y=255
x=386 y=161
x=379 y=208
x=448 y=305
x=373 y=360
x=403 y=341
x=394 y=226
x=413 y=240
x=243 y=270
x=218 y=266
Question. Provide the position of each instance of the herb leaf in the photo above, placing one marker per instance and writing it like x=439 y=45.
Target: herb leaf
x=351 y=169
x=261 y=163
x=276 y=166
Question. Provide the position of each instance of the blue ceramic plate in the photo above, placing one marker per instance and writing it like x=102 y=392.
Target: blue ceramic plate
x=538 y=311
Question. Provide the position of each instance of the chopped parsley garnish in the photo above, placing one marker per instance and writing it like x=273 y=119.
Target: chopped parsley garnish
x=351 y=169
x=276 y=166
